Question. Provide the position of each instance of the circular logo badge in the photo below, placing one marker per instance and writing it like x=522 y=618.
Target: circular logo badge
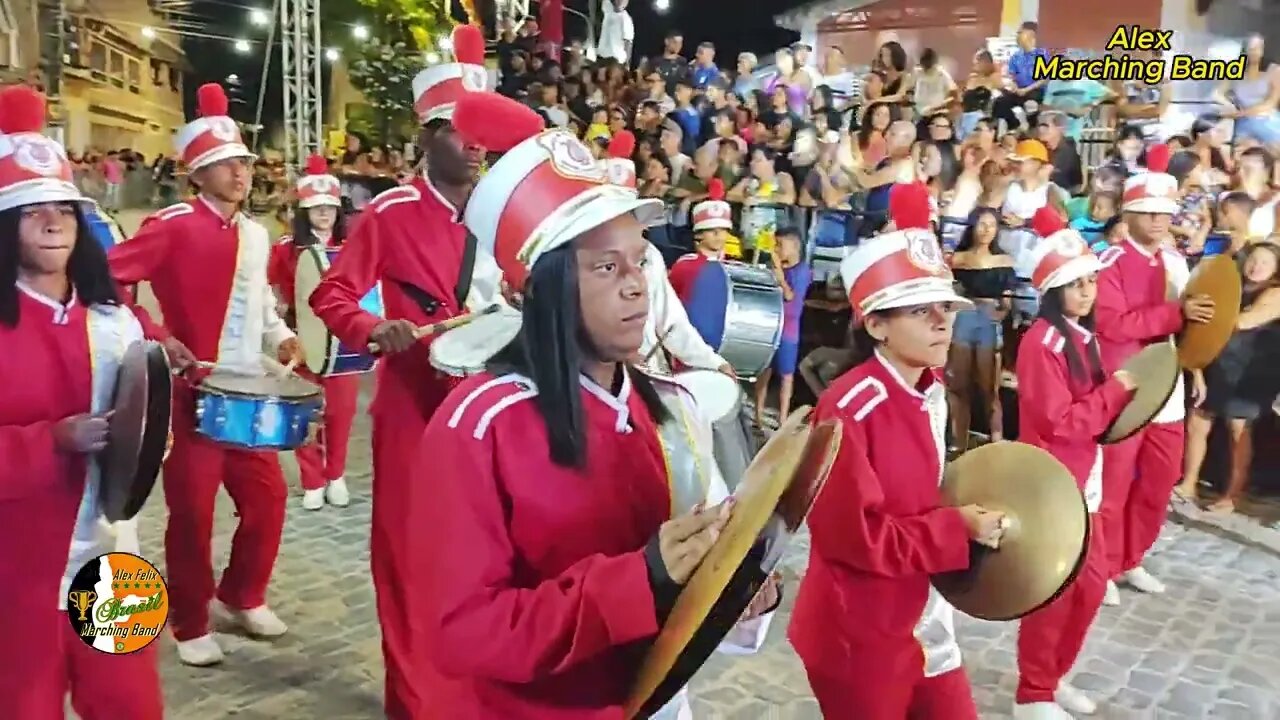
x=118 y=603
x=924 y=253
x=621 y=172
x=325 y=184
x=1069 y=246
x=38 y=155
x=224 y=129
x=474 y=78
x=570 y=158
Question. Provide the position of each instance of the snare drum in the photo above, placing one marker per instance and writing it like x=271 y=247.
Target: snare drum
x=256 y=413
x=719 y=401
x=326 y=355
x=466 y=349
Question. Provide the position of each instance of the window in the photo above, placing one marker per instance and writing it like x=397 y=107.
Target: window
x=98 y=57
x=175 y=80
x=158 y=75
x=135 y=76
x=116 y=71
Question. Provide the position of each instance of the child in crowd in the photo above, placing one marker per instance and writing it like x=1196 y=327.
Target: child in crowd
x=1103 y=206
x=793 y=275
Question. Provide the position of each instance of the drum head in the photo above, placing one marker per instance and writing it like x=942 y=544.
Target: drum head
x=716 y=394
x=291 y=387
x=773 y=499
x=138 y=432
x=316 y=340
x=464 y=350
x=1219 y=278
x=1156 y=370
x=1041 y=550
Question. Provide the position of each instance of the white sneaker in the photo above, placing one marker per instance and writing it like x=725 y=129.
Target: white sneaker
x=336 y=493
x=1142 y=581
x=1072 y=700
x=1112 y=597
x=201 y=652
x=313 y=499
x=1040 y=711
x=259 y=622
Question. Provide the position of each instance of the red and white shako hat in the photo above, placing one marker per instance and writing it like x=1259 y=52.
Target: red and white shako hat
x=1061 y=259
x=1151 y=192
x=713 y=213
x=317 y=186
x=897 y=269
x=545 y=191
x=436 y=89
x=33 y=168
x=619 y=166
x=212 y=137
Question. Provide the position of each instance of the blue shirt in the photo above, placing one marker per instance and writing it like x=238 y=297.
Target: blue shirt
x=702 y=75
x=1071 y=96
x=691 y=123
x=1022 y=65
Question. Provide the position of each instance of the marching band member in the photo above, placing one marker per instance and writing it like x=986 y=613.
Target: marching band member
x=207 y=265
x=318 y=221
x=712 y=224
x=411 y=241
x=1065 y=403
x=62 y=319
x=543 y=609
x=668 y=330
x=1134 y=309
x=888 y=650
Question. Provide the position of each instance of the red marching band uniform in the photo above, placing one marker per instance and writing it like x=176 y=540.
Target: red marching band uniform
x=411 y=240
x=63 y=362
x=876 y=638
x=322 y=464
x=209 y=274
x=1138 y=305
x=1064 y=411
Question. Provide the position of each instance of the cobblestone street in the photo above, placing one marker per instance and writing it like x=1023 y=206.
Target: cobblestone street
x=1210 y=648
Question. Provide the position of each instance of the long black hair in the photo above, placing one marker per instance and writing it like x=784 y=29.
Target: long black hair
x=87 y=268
x=971 y=229
x=303 y=235
x=1052 y=304
x=550 y=350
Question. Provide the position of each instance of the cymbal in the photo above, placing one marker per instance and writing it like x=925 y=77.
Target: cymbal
x=1043 y=546
x=138 y=431
x=1219 y=278
x=1155 y=368
x=775 y=495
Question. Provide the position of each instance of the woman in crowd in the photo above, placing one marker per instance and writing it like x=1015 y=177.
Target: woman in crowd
x=794 y=82
x=931 y=85
x=985 y=81
x=763 y=185
x=67 y=332
x=985 y=273
x=318 y=223
x=871 y=135
x=1065 y=403
x=1128 y=151
x=1254 y=101
x=1242 y=382
x=875 y=637
x=891 y=59
x=1207 y=138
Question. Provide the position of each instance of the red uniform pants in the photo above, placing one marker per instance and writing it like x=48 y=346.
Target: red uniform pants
x=1050 y=639
x=45 y=661
x=326 y=458
x=196 y=468
x=882 y=691
x=1138 y=476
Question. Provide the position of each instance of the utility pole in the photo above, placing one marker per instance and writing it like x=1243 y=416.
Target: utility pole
x=300 y=55
x=51 y=18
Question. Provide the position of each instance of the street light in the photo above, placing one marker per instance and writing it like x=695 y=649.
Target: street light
x=148 y=32
x=233 y=79
x=662 y=5
x=433 y=58
x=332 y=54
x=258 y=17
x=243 y=47
x=360 y=32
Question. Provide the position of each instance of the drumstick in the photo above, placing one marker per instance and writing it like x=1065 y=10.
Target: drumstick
x=423 y=331
x=656 y=346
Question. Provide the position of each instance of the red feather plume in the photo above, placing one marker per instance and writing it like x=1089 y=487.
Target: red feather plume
x=1158 y=158
x=622 y=145
x=715 y=189
x=211 y=100
x=494 y=122
x=1047 y=221
x=909 y=206
x=317 y=165
x=22 y=110
x=468 y=45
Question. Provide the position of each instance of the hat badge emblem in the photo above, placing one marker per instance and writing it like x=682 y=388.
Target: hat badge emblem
x=36 y=154
x=571 y=158
x=474 y=78
x=224 y=129
x=924 y=253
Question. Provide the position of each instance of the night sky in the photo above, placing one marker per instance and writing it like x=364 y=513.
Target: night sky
x=733 y=25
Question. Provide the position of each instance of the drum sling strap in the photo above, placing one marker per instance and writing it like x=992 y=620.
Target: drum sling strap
x=425 y=300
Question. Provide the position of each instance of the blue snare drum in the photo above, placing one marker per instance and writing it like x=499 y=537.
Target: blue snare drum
x=257 y=413
x=326 y=355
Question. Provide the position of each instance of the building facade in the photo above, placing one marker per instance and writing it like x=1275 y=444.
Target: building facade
x=122 y=76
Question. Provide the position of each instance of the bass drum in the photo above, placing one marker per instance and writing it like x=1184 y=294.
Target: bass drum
x=753 y=320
